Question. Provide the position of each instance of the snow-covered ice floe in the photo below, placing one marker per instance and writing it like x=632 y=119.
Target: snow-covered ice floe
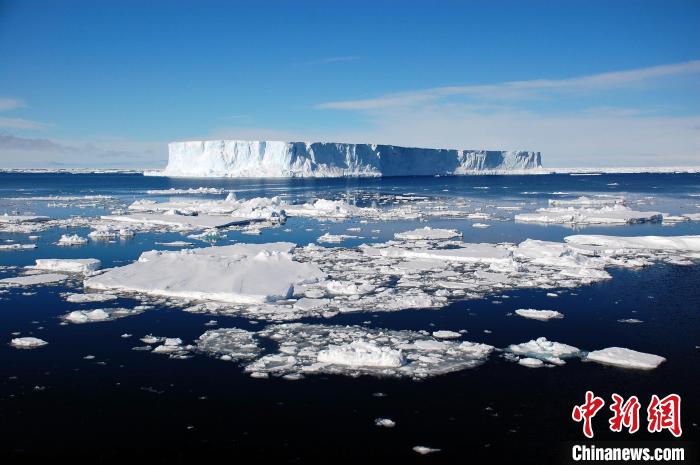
x=354 y=350
x=34 y=279
x=69 y=265
x=280 y=281
x=428 y=233
x=611 y=214
x=27 y=342
x=543 y=315
x=99 y=314
x=68 y=240
x=625 y=358
x=189 y=191
x=544 y=350
x=240 y=273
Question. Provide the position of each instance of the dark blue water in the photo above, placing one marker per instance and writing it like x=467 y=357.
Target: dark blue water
x=129 y=405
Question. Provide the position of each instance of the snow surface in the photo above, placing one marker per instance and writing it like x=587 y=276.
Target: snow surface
x=264 y=159
x=69 y=265
x=610 y=214
x=428 y=233
x=240 y=273
x=34 y=279
x=625 y=358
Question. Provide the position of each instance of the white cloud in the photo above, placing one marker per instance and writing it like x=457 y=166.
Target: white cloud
x=514 y=90
x=7 y=103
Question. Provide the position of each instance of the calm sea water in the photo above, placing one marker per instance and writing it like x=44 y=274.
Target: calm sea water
x=125 y=404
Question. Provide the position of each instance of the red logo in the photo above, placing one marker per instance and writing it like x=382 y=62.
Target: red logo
x=661 y=414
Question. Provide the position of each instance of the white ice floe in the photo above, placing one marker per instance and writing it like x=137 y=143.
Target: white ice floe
x=481 y=225
x=547 y=351
x=35 y=279
x=18 y=219
x=625 y=358
x=613 y=214
x=184 y=222
x=444 y=334
x=361 y=354
x=17 y=246
x=354 y=351
x=100 y=314
x=424 y=450
x=543 y=315
x=621 y=244
x=230 y=344
x=175 y=244
x=428 y=233
x=334 y=238
x=240 y=273
x=530 y=362
x=189 y=191
x=584 y=201
x=86 y=298
x=384 y=422
x=69 y=265
x=69 y=240
x=27 y=342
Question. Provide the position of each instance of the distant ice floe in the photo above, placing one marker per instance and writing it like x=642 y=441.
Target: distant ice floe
x=334 y=238
x=543 y=315
x=88 y=298
x=27 y=342
x=625 y=358
x=34 y=279
x=189 y=191
x=99 y=314
x=229 y=344
x=69 y=265
x=15 y=247
x=70 y=240
x=610 y=214
x=428 y=233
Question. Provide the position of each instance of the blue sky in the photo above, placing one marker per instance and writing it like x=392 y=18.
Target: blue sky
x=588 y=83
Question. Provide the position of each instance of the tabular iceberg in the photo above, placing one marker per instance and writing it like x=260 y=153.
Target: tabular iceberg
x=276 y=159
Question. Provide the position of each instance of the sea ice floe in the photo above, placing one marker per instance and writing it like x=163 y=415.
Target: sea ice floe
x=34 y=279
x=428 y=233
x=85 y=298
x=625 y=358
x=68 y=240
x=384 y=422
x=334 y=238
x=584 y=201
x=229 y=344
x=27 y=342
x=543 y=315
x=444 y=334
x=424 y=450
x=189 y=191
x=17 y=246
x=69 y=265
x=614 y=214
x=240 y=273
x=184 y=222
x=542 y=349
x=99 y=314
x=530 y=362
x=354 y=350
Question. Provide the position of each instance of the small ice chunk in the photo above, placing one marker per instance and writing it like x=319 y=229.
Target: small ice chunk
x=361 y=353
x=543 y=315
x=27 y=342
x=445 y=334
x=68 y=240
x=428 y=233
x=531 y=362
x=424 y=450
x=385 y=422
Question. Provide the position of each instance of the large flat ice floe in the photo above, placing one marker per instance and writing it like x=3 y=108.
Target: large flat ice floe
x=69 y=265
x=282 y=282
x=608 y=214
x=241 y=273
x=239 y=158
x=625 y=358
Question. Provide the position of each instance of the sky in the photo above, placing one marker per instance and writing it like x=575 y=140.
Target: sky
x=586 y=83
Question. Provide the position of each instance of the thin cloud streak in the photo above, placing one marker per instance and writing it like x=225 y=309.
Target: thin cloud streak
x=520 y=89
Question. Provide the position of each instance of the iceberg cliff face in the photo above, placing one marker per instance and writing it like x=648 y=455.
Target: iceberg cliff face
x=258 y=159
